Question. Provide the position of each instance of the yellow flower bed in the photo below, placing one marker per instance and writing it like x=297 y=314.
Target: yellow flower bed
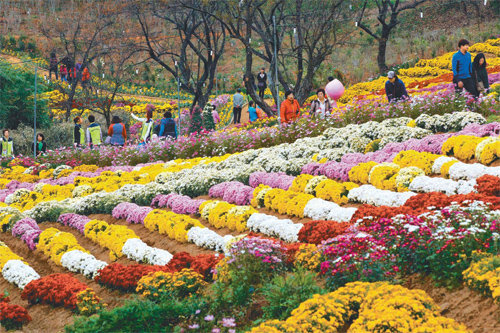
x=488 y=150
x=308 y=257
x=409 y=158
x=484 y=276
x=422 y=71
x=222 y=214
x=462 y=147
x=334 y=191
x=112 y=237
x=485 y=48
x=6 y=254
x=258 y=196
x=383 y=176
x=175 y=226
x=405 y=176
x=286 y=202
x=300 y=182
x=372 y=307
x=54 y=243
x=178 y=284
x=360 y=173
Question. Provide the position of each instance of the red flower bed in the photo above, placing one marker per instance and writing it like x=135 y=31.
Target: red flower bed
x=488 y=185
x=125 y=278
x=12 y=316
x=440 y=200
x=376 y=213
x=317 y=231
x=54 y=289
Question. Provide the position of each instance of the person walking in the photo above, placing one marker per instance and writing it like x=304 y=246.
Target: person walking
x=117 y=132
x=147 y=126
x=63 y=70
x=462 y=69
x=262 y=82
x=238 y=102
x=480 y=74
x=53 y=66
x=85 y=78
x=78 y=133
x=7 y=145
x=395 y=88
x=290 y=108
x=94 y=134
x=252 y=111
x=168 y=128
x=40 y=148
x=321 y=106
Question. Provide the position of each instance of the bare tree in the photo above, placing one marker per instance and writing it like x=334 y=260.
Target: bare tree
x=315 y=27
x=192 y=53
x=388 y=11
x=82 y=36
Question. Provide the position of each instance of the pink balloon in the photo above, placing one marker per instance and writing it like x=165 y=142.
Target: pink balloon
x=334 y=89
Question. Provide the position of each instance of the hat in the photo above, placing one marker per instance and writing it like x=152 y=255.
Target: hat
x=391 y=74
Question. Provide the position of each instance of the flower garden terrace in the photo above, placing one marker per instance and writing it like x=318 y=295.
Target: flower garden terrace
x=331 y=225
x=367 y=202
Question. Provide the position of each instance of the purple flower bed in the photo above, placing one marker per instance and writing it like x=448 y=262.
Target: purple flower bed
x=272 y=179
x=74 y=221
x=131 y=212
x=28 y=230
x=233 y=192
x=179 y=204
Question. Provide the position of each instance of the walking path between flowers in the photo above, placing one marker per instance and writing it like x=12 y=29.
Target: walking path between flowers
x=43 y=71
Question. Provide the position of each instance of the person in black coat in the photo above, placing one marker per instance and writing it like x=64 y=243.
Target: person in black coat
x=262 y=82
x=41 y=147
x=395 y=88
x=480 y=74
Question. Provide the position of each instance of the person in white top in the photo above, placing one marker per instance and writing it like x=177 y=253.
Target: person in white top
x=147 y=126
x=321 y=106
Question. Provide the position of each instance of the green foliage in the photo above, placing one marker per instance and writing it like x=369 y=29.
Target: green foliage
x=285 y=293
x=196 y=123
x=16 y=98
x=138 y=316
x=208 y=119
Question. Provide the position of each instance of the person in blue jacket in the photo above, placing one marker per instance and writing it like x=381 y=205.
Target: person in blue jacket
x=395 y=88
x=461 y=64
x=252 y=112
x=168 y=127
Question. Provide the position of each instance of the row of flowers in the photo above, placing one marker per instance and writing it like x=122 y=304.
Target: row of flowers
x=366 y=307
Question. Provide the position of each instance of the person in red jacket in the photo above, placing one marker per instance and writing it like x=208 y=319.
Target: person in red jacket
x=290 y=108
x=85 y=77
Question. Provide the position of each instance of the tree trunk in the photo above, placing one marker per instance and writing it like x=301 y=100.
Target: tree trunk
x=382 y=47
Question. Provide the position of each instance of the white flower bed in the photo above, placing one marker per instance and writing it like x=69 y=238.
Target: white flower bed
x=270 y=225
x=319 y=209
x=19 y=273
x=208 y=239
x=368 y=194
x=77 y=261
x=136 y=249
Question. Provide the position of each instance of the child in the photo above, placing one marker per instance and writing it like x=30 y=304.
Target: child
x=252 y=111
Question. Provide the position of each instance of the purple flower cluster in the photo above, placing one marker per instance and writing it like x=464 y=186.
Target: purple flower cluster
x=270 y=251
x=272 y=179
x=179 y=204
x=28 y=230
x=233 y=192
x=75 y=221
x=131 y=212
x=12 y=186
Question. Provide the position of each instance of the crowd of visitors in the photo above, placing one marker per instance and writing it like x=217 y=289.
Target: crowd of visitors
x=70 y=72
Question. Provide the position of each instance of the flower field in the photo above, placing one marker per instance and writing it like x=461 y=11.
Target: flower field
x=384 y=218
x=363 y=208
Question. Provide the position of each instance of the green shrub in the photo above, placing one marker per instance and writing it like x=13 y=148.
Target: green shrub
x=138 y=316
x=285 y=293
